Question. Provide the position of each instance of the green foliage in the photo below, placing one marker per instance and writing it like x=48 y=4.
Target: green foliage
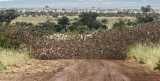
x=130 y=23
x=74 y=26
x=76 y=23
x=7 y=41
x=119 y=25
x=82 y=29
x=7 y=16
x=23 y=24
x=104 y=21
x=58 y=28
x=94 y=24
x=63 y=21
x=146 y=9
x=48 y=25
x=89 y=19
x=104 y=27
x=78 y=28
x=145 y=18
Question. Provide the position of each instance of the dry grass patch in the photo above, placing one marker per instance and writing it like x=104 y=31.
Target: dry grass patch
x=145 y=54
x=10 y=57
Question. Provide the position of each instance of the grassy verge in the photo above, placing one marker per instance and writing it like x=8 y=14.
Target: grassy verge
x=11 y=57
x=145 y=54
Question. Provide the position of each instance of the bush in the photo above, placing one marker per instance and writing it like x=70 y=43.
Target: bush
x=104 y=21
x=145 y=19
x=94 y=25
x=8 y=42
x=129 y=23
x=82 y=29
x=50 y=26
x=119 y=25
x=23 y=24
x=74 y=26
x=104 y=27
x=58 y=28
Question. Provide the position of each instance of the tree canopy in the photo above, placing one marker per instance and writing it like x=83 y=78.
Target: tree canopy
x=8 y=15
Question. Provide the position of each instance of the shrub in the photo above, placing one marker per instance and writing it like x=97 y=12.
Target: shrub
x=74 y=26
x=104 y=27
x=94 y=25
x=82 y=29
x=119 y=25
x=145 y=19
x=7 y=41
x=23 y=24
x=58 y=28
x=104 y=21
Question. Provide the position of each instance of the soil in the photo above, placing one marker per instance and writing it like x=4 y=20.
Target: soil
x=82 y=70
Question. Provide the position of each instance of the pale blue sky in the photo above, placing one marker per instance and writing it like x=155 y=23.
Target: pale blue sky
x=108 y=4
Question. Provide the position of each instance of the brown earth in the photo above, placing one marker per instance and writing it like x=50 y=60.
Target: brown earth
x=83 y=70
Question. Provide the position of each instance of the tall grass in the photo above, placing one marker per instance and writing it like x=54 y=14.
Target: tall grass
x=146 y=54
x=11 y=57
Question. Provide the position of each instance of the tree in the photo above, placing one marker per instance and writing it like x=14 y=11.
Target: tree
x=1 y=19
x=64 y=21
x=87 y=17
x=119 y=25
x=47 y=25
x=145 y=19
x=74 y=26
x=90 y=20
x=146 y=9
x=10 y=15
x=7 y=16
x=94 y=24
x=46 y=7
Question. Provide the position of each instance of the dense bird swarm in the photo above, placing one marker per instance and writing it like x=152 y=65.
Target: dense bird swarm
x=110 y=45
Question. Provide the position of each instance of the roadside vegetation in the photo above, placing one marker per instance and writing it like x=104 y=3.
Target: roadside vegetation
x=145 y=54
x=11 y=52
x=11 y=57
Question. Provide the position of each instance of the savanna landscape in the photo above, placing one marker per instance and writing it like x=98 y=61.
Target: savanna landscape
x=50 y=44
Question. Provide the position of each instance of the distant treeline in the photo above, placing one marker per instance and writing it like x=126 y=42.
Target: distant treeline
x=56 y=14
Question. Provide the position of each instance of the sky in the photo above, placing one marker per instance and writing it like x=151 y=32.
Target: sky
x=103 y=4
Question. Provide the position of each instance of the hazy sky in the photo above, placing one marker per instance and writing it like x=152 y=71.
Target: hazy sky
x=109 y=4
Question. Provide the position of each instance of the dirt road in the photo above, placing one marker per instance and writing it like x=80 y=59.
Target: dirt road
x=94 y=70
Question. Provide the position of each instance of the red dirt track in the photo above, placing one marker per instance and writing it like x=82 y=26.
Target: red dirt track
x=94 y=70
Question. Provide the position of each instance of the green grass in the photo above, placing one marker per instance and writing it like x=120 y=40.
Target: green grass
x=145 y=54
x=11 y=57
